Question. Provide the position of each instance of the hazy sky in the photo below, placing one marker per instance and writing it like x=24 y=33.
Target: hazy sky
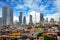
x=50 y=8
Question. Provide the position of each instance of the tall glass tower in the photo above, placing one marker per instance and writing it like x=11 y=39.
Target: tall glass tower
x=20 y=18
x=41 y=17
x=30 y=19
x=59 y=19
x=24 y=20
x=7 y=15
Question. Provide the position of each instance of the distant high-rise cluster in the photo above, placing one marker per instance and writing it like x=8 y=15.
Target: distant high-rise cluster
x=7 y=15
x=22 y=21
x=7 y=18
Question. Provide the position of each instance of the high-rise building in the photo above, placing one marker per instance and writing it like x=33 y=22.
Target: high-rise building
x=41 y=18
x=24 y=20
x=59 y=19
x=1 y=21
x=20 y=18
x=30 y=19
x=46 y=20
x=7 y=15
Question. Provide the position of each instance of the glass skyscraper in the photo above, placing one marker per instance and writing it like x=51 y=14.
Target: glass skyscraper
x=20 y=18
x=41 y=17
x=7 y=15
x=30 y=19
x=24 y=20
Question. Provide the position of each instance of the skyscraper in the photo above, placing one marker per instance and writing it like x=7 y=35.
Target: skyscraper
x=30 y=19
x=46 y=20
x=1 y=21
x=59 y=19
x=7 y=15
x=41 y=18
x=20 y=18
x=24 y=20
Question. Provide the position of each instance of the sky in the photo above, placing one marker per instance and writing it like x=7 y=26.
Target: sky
x=50 y=8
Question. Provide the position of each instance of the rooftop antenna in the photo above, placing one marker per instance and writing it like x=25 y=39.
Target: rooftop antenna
x=35 y=18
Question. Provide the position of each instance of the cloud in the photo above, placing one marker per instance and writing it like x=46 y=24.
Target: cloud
x=33 y=5
x=57 y=3
x=12 y=0
x=19 y=6
x=27 y=3
x=15 y=18
x=2 y=3
x=55 y=16
x=7 y=0
x=0 y=14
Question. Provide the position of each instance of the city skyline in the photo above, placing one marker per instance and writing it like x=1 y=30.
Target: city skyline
x=50 y=8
